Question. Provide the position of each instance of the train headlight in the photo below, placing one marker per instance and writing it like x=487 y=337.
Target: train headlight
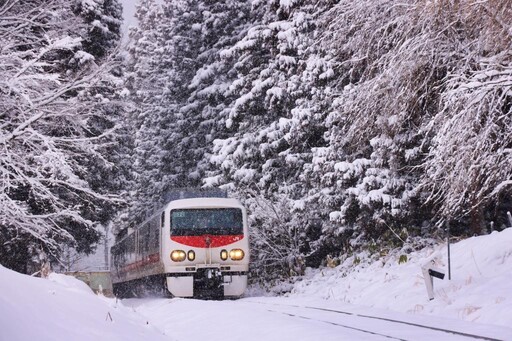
x=236 y=254
x=191 y=255
x=178 y=255
x=224 y=254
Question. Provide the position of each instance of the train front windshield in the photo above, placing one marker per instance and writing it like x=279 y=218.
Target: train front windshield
x=197 y=222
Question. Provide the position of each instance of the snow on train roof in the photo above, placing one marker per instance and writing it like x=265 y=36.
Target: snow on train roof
x=204 y=202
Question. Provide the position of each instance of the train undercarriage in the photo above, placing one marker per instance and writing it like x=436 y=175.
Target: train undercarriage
x=205 y=283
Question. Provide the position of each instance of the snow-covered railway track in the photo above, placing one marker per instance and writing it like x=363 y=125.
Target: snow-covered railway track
x=282 y=318
x=339 y=325
x=385 y=327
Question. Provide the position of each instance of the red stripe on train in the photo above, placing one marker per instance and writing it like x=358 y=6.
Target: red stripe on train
x=207 y=240
x=150 y=259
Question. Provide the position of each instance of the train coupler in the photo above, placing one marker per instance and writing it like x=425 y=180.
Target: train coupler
x=208 y=283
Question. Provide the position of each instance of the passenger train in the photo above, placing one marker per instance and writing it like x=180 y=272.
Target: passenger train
x=193 y=247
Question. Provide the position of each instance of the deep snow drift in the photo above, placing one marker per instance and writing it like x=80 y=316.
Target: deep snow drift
x=480 y=289
x=64 y=308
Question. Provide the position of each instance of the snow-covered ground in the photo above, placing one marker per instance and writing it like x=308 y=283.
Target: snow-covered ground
x=480 y=289
x=480 y=292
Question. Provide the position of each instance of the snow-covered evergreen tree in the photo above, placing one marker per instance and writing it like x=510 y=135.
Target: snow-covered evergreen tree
x=385 y=76
x=275 y=119
x=178 y=79
x=101 y=38
x=101 y=30
x=144 y=80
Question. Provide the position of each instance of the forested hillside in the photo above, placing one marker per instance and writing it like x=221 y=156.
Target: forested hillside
x=340 y=124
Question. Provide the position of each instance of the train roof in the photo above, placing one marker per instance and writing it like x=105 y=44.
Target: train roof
x=191 y=192
x=204 y=203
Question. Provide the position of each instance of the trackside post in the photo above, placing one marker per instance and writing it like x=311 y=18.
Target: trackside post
x=429 y=272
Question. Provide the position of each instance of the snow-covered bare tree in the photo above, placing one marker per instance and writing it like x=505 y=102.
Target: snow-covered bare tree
x=469 y=167
x=45 y=130
x=277 y=238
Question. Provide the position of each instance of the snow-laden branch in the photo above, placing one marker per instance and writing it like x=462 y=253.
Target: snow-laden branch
x=48 y=132
x=470 y=164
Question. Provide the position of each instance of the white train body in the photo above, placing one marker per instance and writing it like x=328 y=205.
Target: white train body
x=197 y=247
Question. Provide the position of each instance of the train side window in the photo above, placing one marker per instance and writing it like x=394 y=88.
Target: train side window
x=162 y=220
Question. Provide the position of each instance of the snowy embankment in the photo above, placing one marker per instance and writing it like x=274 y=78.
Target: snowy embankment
x=64 y=308
x=480 y=288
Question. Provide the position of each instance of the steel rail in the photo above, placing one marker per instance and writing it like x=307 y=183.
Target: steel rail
x=444 y=330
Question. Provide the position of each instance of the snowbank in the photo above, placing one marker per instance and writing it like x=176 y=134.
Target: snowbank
x=480 y=289
x=64 y=308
